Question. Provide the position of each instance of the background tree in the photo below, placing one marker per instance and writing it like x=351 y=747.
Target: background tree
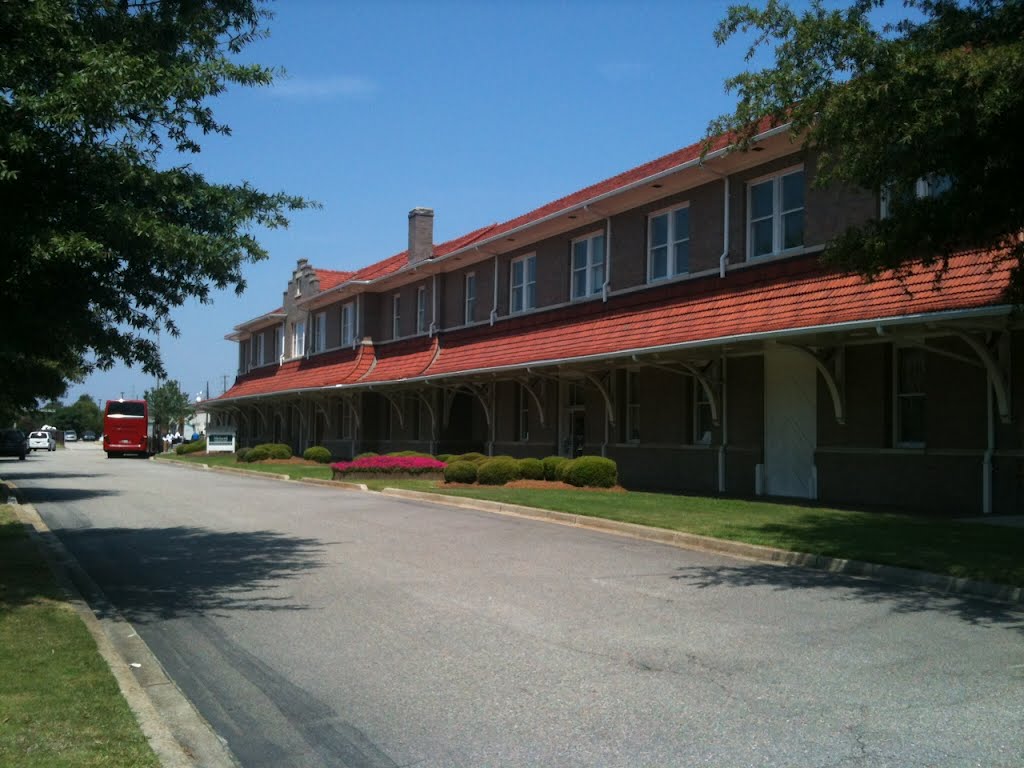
x=168 y=404
x=98 y=99
x=938 y=96
x=83 y=415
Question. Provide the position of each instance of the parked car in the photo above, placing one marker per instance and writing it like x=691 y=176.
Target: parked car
x=89 y=435
x=70 y=436
x=13 y=442
x=41 y=441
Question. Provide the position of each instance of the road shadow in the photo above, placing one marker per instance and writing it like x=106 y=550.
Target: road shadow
x=898 y=599
x=47 y=495
x=55 y=475
x=166 y=573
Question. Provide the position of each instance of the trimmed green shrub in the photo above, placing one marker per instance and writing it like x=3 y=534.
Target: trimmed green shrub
x=259 y=453
x=497 y=471
x=531 y=469
x=364 y=455
x=460 y=472
x=562 y=469
x=241 y=453
x=472 y=456
x=276 y=450
x=592 y=472
x=416 y=454
x=551 y=465
x=317 y=453
x=445 y=457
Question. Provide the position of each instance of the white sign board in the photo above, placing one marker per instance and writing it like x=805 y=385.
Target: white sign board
x=220 y=439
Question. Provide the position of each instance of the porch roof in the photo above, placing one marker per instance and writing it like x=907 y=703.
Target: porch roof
x=788 y=295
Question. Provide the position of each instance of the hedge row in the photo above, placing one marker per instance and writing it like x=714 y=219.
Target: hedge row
x=193 y=447
x=586 y=471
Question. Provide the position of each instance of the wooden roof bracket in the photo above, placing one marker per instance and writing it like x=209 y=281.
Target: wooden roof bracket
x=997 y=373
x=394 y=404
x=320 y=403
x=834 y=377
x=524 y=382
x=709 y=385
x=609 y=408
x=349 y=401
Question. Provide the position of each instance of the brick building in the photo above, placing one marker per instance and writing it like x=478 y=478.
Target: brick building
x=674 y=318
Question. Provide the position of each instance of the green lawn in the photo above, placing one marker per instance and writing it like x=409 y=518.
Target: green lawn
x=59 y=704
x=988 y=553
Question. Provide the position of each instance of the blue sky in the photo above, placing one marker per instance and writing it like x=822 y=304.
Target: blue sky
x=479 y=110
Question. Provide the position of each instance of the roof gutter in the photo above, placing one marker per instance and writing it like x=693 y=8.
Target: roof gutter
x=997 y=310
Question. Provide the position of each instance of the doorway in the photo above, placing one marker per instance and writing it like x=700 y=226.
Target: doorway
x=790 y=423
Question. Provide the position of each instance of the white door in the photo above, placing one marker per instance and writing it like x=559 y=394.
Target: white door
x=790 y=423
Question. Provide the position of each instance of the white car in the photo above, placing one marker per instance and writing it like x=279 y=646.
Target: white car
x=41 y=441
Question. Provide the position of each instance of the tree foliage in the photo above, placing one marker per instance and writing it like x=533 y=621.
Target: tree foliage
x=103 y=226
x=938 y=95
x=168 y=405
x=83 y=415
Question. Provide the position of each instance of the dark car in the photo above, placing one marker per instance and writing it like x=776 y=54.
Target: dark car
x=88 y=435
x=13 y=442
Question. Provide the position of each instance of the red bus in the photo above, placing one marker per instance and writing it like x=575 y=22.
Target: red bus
x=126 y=427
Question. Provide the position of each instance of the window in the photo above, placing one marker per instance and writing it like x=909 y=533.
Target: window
x=396 y=316
x=279 y=341
x=524 y=283
x=910 y=396
x=348 y=324
x=522 y=414
x=929 y=186
x=702 y=422
x=421 y=309
x=633 y=406
x=775 y=212
x=319 y=331
x=668 y=244
x=347 y=421
x=261 y=349
x=470 y=293
x=298 y=338
x=587 y=265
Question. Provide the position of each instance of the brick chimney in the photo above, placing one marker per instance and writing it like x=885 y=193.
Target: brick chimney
x=421 y=234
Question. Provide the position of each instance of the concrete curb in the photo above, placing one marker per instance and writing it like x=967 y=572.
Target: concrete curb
x=177 y=733
x=886 y=573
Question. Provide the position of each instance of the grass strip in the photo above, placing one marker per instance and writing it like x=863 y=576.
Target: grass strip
x=60 y=706
x=964 y=550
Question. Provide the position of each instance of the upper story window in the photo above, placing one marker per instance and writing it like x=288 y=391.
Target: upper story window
x=279 y=341
x=348 y=324
x=588 y=255
x=523 y=283
x=261 y=349
x=909 y=393
x=396 y=316
x=668 y=243
x=469 y=312
x=929 y=186
x=319 y=331
x=775 y=213
x=421 y=309
x=298 y=338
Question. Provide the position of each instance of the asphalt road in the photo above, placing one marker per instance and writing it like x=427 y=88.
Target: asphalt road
x=316 y=627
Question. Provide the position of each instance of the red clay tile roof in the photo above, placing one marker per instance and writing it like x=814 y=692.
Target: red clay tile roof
x=331 y=277
x=790 y=294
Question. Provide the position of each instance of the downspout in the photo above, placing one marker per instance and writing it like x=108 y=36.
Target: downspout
x=724 y=258
x=433 y=309
x=986 y=466
x=724 y=420
x=606 y=285
x=494 y=301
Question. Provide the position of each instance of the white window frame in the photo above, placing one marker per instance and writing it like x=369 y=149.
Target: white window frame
x=671 y=264
x=590 y=268
x=526 y=300
x=701 y=401
x=927 y=186
x=319 y=332
x=261 y=350
x=279 y=342
x=469 y=297
x=348 y=324
x=632 y=406
x=777 y=215
x=523 y=415
x=348 y=422
x=421 y=309
x=898 y=397
x=396 y=316
x=298 y=338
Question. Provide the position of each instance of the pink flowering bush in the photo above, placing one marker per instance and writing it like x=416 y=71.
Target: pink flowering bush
x=388 y=465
